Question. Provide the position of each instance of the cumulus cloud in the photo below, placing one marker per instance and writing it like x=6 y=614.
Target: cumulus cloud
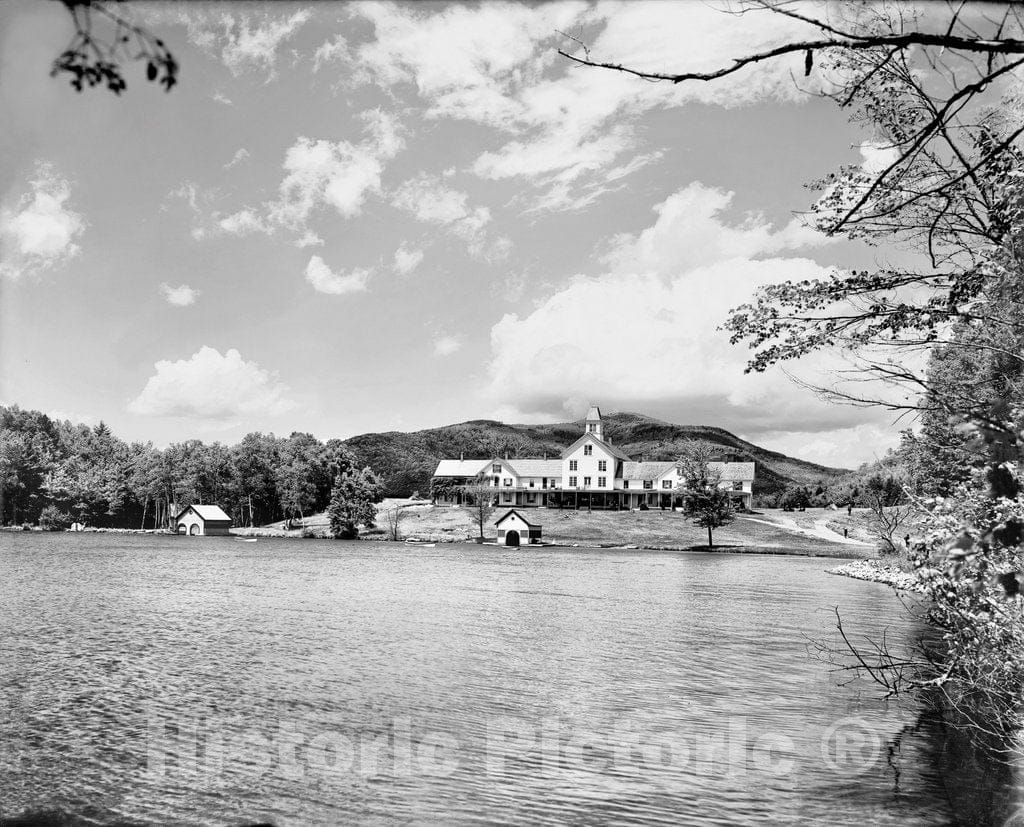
x=433 y=202
x=211 y=386
x=245 y=41
x=40 y=230
x=407 y=260
x=319 y=175
x=496 y=64
x=839 y=448
x=239 y=157
x=243 y=222
x=645 y=333
x=325 y=280
x=690 y=230
x=181 y=296
x=446 y=345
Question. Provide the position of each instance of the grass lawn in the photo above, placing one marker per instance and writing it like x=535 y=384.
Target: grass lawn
x=769 y=531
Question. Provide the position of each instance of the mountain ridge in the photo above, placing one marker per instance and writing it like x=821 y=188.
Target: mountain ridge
x=406 y=459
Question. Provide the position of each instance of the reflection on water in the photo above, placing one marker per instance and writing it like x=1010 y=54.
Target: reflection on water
x=204 y=680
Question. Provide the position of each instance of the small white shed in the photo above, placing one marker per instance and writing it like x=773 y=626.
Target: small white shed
x=203 y=520
x=514 y=529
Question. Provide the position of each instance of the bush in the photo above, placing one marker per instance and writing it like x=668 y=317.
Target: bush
x=53 y=519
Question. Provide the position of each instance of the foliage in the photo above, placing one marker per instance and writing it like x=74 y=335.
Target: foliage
x=100 y=480
x=393 y=519
x=353 y=500
x=480 y=496
x=704 y=502
x=53 y=519
x=103 y=39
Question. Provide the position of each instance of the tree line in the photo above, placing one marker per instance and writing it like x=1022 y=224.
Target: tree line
x=54 y=472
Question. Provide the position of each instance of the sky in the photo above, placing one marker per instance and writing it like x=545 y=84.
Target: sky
x=368 y=217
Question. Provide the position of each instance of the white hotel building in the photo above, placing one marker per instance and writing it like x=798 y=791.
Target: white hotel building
x=590 y=473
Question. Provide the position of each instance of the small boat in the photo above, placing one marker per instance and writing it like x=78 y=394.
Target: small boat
x=412 y=541
x=247 y=539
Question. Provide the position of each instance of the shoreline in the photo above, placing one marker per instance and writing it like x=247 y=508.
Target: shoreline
x=827 y=550
x=878 y=571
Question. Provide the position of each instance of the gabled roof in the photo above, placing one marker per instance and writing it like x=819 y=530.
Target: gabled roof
x=732 y=471
x=207 y=512
x=537 y=467
x=461 y=467
x=611 y=449
x=645 y=470
x=509 y=513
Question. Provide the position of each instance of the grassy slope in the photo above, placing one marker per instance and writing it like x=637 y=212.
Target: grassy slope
x=647 y=529
x=407 y=460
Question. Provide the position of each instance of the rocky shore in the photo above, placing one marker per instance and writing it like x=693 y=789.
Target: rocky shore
x=879 y=572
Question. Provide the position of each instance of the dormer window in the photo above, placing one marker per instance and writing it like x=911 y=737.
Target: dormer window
x=588 y=450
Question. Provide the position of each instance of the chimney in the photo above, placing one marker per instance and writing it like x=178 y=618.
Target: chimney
x=462 y=456
x=506 y=455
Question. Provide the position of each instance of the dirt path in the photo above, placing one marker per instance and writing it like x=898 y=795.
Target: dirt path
x=820 y=530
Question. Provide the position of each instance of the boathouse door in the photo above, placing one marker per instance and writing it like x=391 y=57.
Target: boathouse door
x=512 y=538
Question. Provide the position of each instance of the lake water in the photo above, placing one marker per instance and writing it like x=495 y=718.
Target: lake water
x=205 y=680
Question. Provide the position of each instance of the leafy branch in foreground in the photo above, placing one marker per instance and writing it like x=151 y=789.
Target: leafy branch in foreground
x=103 y=39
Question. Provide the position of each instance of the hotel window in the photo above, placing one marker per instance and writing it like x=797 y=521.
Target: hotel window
x=588 y=450
x=531 y=498
x=573 y=465
x=507 y=497
x=625 y=483
x=496 y=468
x=648 y=483
x=586 y=482
x=602 y=465
x=531 y=484
x=666 y=483
x=572 y=482
x=737 y=486
x=601 y=482
x=508 y=483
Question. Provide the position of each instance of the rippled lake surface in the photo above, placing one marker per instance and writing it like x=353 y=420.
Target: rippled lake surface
x=206 y=680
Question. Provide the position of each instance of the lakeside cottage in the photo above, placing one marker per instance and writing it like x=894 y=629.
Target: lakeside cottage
x=591 y=473
x=203 y=521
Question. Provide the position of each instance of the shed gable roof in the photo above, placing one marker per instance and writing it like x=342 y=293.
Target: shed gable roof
x=509 y=513
x=211 y=513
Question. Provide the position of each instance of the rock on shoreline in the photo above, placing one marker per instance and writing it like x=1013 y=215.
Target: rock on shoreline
x=878 y=572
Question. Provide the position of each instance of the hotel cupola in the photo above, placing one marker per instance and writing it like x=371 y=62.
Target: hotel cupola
x=595 y=425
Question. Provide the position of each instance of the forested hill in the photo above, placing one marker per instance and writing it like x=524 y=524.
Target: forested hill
x=407 y=460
